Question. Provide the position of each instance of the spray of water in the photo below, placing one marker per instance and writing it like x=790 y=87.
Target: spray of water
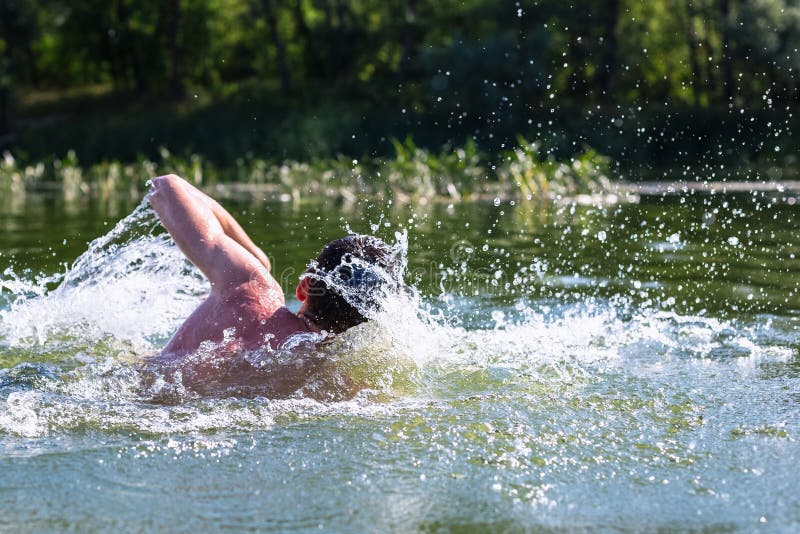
x=85 y=345
x=113 y=291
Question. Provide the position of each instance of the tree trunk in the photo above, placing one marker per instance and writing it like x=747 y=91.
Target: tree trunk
x=5 y=68
x=708 y=17
x=299 y=18
x=328 y=11
x=608 y=72
x=176 y=78
x=727 y=69
x=691 y=39
x=4 y=98
x=408 y=40
x=341 y=12
x=311 y=57
x=126 y=51
x=280 y=48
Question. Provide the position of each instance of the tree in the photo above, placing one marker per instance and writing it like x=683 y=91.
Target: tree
x=280 y=48
x=173 y=16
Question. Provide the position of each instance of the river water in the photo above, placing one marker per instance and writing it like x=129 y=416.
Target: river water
x=557 y=366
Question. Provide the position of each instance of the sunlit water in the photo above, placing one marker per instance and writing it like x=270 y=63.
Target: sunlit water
x=626 y=367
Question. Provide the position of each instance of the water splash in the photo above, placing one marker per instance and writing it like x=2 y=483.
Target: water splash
x=79 y=347
x=131 y=285
x=369 y=277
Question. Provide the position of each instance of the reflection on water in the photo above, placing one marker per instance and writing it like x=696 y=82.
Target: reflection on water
x=631 y=366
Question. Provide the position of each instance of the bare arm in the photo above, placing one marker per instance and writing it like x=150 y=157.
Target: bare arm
x=229 y=225
x=198 y=232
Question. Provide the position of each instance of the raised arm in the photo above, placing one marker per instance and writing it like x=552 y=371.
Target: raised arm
x=229 y=225
x=197 y=231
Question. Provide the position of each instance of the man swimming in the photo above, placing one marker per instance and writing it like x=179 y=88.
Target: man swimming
x=245 y=309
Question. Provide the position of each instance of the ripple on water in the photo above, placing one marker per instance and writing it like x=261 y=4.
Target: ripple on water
x=563 y=415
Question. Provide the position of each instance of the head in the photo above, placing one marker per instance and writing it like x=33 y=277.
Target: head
x=348 y=277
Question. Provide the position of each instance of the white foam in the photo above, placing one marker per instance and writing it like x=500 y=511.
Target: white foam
x=130 y=285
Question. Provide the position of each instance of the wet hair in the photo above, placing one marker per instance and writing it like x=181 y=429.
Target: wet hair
x=348 y=279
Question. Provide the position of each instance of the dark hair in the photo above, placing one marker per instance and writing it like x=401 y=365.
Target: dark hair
x=364 y=267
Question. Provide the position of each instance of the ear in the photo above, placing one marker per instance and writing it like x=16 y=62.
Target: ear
x=301 y=292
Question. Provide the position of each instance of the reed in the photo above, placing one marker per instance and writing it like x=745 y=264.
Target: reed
x=411 y=173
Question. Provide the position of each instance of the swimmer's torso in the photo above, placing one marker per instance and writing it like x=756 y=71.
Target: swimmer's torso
x=245 y=317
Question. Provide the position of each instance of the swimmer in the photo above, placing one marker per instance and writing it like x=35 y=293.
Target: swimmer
x=245 y=309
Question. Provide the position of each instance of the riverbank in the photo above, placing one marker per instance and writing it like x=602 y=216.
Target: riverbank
x=525 y=172
x=412 y=175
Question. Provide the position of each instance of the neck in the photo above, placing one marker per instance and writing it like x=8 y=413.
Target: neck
x=310 y=324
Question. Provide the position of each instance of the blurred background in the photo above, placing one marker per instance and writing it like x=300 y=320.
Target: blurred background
x=689 y=89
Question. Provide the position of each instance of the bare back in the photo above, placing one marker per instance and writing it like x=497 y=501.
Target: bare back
x=244 y=318
x=245 y=308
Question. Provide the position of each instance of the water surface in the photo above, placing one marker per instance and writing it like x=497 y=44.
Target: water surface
x=623 y=367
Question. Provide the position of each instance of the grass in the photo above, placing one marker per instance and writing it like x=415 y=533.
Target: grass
x=411 y=173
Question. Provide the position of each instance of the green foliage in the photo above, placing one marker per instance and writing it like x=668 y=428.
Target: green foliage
x=524 y=168
x=297 y=79
x=682 y=51
x=416 y=171
x=413 y=173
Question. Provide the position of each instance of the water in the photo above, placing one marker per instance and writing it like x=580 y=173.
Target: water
x=623 y=367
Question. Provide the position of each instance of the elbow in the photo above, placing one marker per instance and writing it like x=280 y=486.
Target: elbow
x=164 y=187
x=165 y=191
x=166 y=182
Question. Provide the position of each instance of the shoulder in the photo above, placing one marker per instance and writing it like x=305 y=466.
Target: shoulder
x=261 y=290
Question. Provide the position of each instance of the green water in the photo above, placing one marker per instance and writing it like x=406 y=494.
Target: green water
x=566 y=367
